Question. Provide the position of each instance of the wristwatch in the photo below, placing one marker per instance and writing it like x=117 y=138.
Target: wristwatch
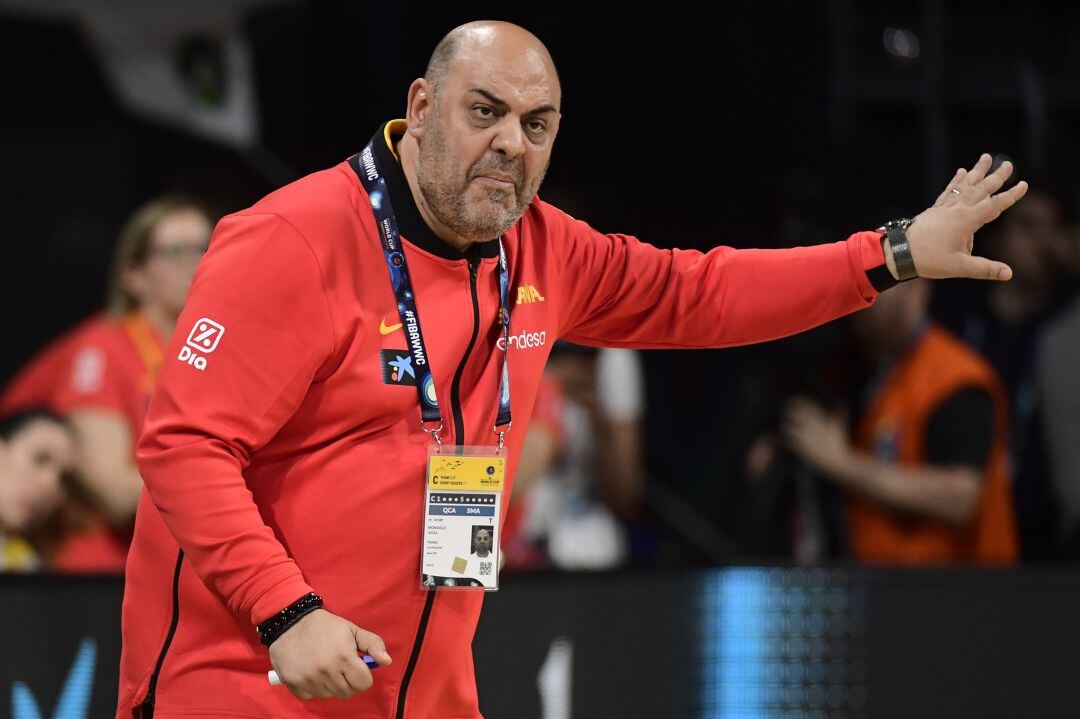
x=894 y=232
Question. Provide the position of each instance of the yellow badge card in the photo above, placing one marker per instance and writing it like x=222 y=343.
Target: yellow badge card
x=457 y=472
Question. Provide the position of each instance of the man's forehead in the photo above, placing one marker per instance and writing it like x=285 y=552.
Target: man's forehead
x=523 y=80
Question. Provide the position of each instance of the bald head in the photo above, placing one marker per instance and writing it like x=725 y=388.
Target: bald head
x=488 y=42
x=481 y=126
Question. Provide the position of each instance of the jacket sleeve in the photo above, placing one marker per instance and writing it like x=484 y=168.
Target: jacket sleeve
x=620 y=292
x=222 y=396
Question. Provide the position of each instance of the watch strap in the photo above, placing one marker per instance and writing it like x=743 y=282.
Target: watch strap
x=895 y=234
x=880 y=277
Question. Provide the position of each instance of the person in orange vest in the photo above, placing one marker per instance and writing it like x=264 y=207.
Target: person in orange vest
x=100 y=374
x=924 y=470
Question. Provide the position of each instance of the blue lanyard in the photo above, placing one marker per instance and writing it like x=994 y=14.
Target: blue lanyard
x=375 y=184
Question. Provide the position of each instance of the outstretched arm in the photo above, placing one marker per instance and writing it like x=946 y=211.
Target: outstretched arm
x=618 y=291
x=948 y=494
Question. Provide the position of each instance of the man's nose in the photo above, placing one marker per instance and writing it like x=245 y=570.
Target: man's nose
x=509 y=139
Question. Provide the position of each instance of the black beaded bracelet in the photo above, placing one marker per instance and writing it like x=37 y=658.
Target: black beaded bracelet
x=278 y=624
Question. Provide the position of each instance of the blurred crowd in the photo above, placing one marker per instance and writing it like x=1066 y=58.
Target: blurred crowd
x=938 y=427
x=71 y=416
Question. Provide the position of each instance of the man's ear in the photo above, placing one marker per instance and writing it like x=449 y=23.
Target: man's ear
x=421 y=104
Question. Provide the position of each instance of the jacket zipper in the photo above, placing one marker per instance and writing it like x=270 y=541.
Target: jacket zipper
x=148 y=702
x=455 y=386
x=459 y=440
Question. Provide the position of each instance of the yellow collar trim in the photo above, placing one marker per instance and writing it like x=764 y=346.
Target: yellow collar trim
x=394 y=127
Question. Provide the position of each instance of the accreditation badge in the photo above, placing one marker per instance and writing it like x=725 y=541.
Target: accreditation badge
x=463 y=498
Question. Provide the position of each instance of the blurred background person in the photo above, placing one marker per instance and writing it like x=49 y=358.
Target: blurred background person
x=36 y=451
x=99 y=376
x=1002 y=323
x=581 y=477
x=923 y=467
x=1058 y=401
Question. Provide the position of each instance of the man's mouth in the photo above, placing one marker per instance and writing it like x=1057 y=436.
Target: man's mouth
x=497 y=181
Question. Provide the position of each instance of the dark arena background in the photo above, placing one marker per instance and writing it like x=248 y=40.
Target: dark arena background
x=675 y=554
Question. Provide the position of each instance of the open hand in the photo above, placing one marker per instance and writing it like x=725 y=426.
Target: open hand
x=818 y=437
x=941 y=236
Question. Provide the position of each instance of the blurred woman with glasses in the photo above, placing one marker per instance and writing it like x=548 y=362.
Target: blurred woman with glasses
x=99 y=376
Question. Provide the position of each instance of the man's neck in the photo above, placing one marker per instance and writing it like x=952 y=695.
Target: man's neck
x=409 y=152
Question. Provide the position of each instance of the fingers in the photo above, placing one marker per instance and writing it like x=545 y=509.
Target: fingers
x=328 y=683
x=993 y=182
x=980 y=268
x=357 y=675
x=346 y=674
x=800 y=408
x=956 y=180
x=336 y=682
x=352 y=674
x=992 y=207
x=308 y=690
x=325 y=689
x=372 y=644
x=340 y=687
x=978 y=172
x=799 y=418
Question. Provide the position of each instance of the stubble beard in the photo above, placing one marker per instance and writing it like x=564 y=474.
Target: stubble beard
x=448 y=204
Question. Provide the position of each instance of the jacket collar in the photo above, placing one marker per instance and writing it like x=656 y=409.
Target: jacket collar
x=410 y=222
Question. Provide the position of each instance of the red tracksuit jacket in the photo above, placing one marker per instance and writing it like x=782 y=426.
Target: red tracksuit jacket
x=278 y=461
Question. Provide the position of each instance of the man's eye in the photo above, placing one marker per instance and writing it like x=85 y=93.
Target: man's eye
x=483 y=112
x=536 y=127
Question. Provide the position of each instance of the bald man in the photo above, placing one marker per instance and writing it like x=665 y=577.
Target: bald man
x=405 y=300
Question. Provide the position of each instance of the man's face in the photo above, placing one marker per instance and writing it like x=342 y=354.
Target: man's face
x=487 y=141
x=483 y=542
